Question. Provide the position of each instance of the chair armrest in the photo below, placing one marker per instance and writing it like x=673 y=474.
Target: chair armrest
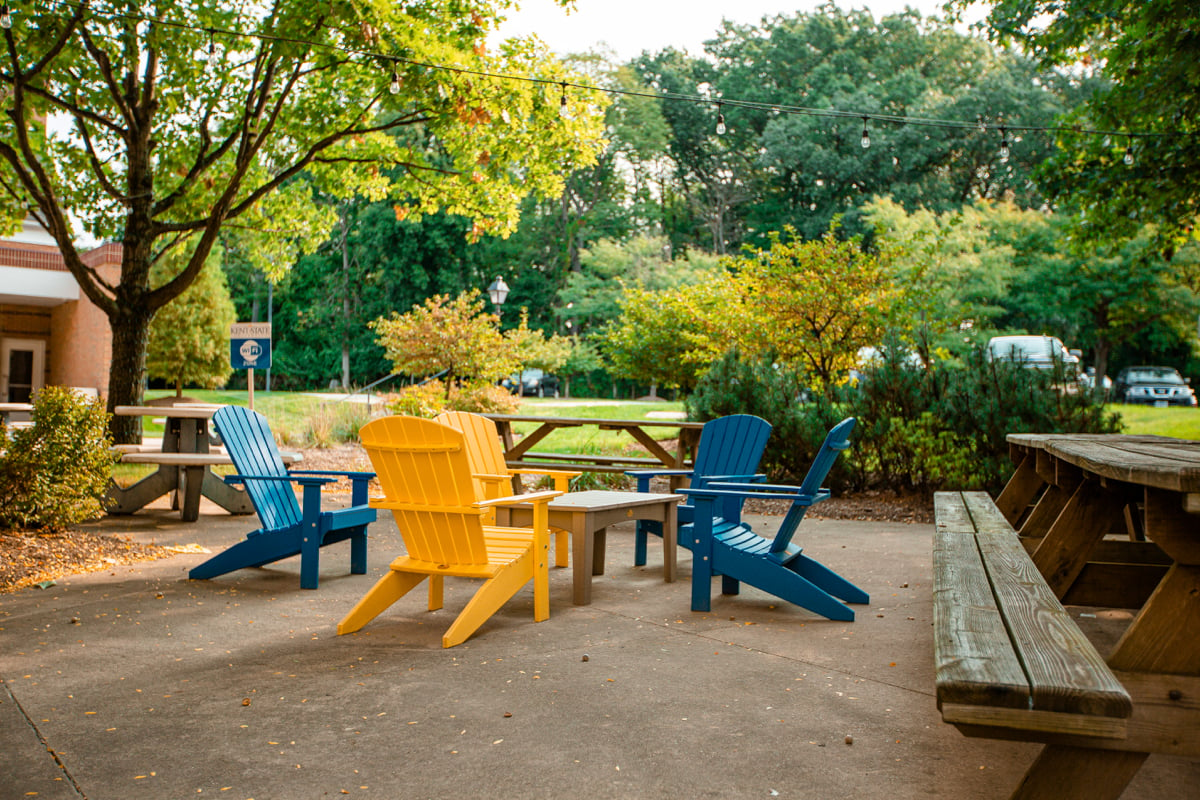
x=711 y=479
x=535 y=497
x=712 y=492
x=305 y=480
x=351 y=475
x=651 y=473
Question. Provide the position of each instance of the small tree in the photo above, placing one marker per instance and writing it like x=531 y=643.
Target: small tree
x=456 y=336
x=816 y=303
x=189 y=337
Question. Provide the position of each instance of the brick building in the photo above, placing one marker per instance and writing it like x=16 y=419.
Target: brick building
x=50 y=333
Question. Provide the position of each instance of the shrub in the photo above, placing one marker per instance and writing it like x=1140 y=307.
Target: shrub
x=54 y=473
x=429 y=399
x=918 y=428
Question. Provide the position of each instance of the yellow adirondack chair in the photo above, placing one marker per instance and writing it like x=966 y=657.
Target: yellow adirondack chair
x=426 y=481
x=492 y=476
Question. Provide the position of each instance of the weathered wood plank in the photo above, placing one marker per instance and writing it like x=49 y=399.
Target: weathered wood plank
x=1065 y=672
x=974 y=659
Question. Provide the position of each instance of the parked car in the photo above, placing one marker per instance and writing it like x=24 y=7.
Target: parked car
x=1036 y=352
x=1088 y=379
x=1156 y=386
x=532 y=383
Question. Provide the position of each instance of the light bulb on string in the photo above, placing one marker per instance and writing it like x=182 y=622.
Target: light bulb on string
x=394 y=86
x=1129 y=153
x=212 y=43
x=866 y=137
x=720 y=121
x=5 y=17
x=564 y=110
x=1004 y=151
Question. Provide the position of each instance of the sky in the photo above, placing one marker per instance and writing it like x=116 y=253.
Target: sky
x=632 y=26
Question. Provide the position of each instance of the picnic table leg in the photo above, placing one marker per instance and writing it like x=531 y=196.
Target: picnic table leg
x=1020 y=490
x=230 y=498
x=581 y=564
x=1078 y=773
x=128 y=500
x=191 y=480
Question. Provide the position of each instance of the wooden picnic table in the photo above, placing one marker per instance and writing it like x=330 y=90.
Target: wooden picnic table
x=185 y=463
x=1114 y=520
x=520 y=454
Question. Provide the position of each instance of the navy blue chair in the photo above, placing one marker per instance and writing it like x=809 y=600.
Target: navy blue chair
x=776 y=565
x=288 y=528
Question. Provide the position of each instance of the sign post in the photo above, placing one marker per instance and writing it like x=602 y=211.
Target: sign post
x=250 y=348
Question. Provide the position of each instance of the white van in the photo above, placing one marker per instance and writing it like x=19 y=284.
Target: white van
x=1035 y=352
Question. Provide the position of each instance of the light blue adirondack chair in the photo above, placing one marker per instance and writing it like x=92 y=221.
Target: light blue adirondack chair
x=287 y=529
x=729 y=450
x=776 y=565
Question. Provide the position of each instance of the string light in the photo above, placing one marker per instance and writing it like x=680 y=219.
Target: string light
x=564 y=110
x=866 y=137
x=212 y=44
x=720 y=121
x=5 y=17
x=394 y=86
x=1129 y=153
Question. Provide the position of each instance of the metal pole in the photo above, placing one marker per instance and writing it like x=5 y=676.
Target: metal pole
x=270 y=320
x=250 y=386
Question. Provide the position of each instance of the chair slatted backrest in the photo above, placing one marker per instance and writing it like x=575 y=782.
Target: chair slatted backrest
x=731 y=445
x=251 y=446
x=423 y=469
x=837 y=440
x=485 y=455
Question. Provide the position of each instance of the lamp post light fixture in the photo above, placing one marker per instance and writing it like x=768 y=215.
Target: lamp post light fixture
x=498 y=291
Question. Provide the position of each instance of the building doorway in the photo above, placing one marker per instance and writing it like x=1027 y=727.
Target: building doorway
x=22 y=369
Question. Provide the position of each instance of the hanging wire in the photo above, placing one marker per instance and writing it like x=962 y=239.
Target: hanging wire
x=773 y=108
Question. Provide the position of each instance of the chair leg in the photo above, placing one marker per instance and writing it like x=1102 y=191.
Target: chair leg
x=730 y=585
x=310 y=556
x=642 y=529
x=791 y=586
x=828 y=580
x=358 y=552
x=494 y=593
x=561 y=539
x=437 y=585
x=387 y=590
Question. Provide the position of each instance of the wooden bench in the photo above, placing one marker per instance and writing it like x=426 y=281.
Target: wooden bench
x=1009 y=661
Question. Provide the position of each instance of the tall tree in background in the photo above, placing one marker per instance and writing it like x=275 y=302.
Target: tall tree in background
x=190 y=114
x=189 y=337
x=1150 y=54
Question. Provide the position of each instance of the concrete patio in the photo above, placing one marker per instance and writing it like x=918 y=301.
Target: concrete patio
x=137 y=683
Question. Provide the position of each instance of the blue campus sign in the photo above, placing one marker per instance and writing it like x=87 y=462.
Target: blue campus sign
x=250 y=345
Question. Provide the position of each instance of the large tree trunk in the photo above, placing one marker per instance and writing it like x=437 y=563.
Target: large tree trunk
x=130 y=333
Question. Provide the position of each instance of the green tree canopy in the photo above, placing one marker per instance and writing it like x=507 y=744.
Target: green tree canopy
x=1148 y=52
x=188 y=115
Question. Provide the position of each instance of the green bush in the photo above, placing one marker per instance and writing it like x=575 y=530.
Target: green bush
x=777 y=393
x=918 y=429
x=54 y=473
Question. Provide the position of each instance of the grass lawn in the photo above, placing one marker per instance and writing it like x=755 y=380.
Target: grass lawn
x=1180 y=423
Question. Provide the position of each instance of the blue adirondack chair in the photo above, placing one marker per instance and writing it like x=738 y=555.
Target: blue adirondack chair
x=729 y=450
x=776 y=565
x=287 y=529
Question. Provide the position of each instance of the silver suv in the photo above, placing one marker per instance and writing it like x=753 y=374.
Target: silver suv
x=1155 y=386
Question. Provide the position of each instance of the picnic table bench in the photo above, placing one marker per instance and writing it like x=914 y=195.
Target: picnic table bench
x=1007 y=654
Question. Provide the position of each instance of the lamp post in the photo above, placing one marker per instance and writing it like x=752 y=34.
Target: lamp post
x=498 y=291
